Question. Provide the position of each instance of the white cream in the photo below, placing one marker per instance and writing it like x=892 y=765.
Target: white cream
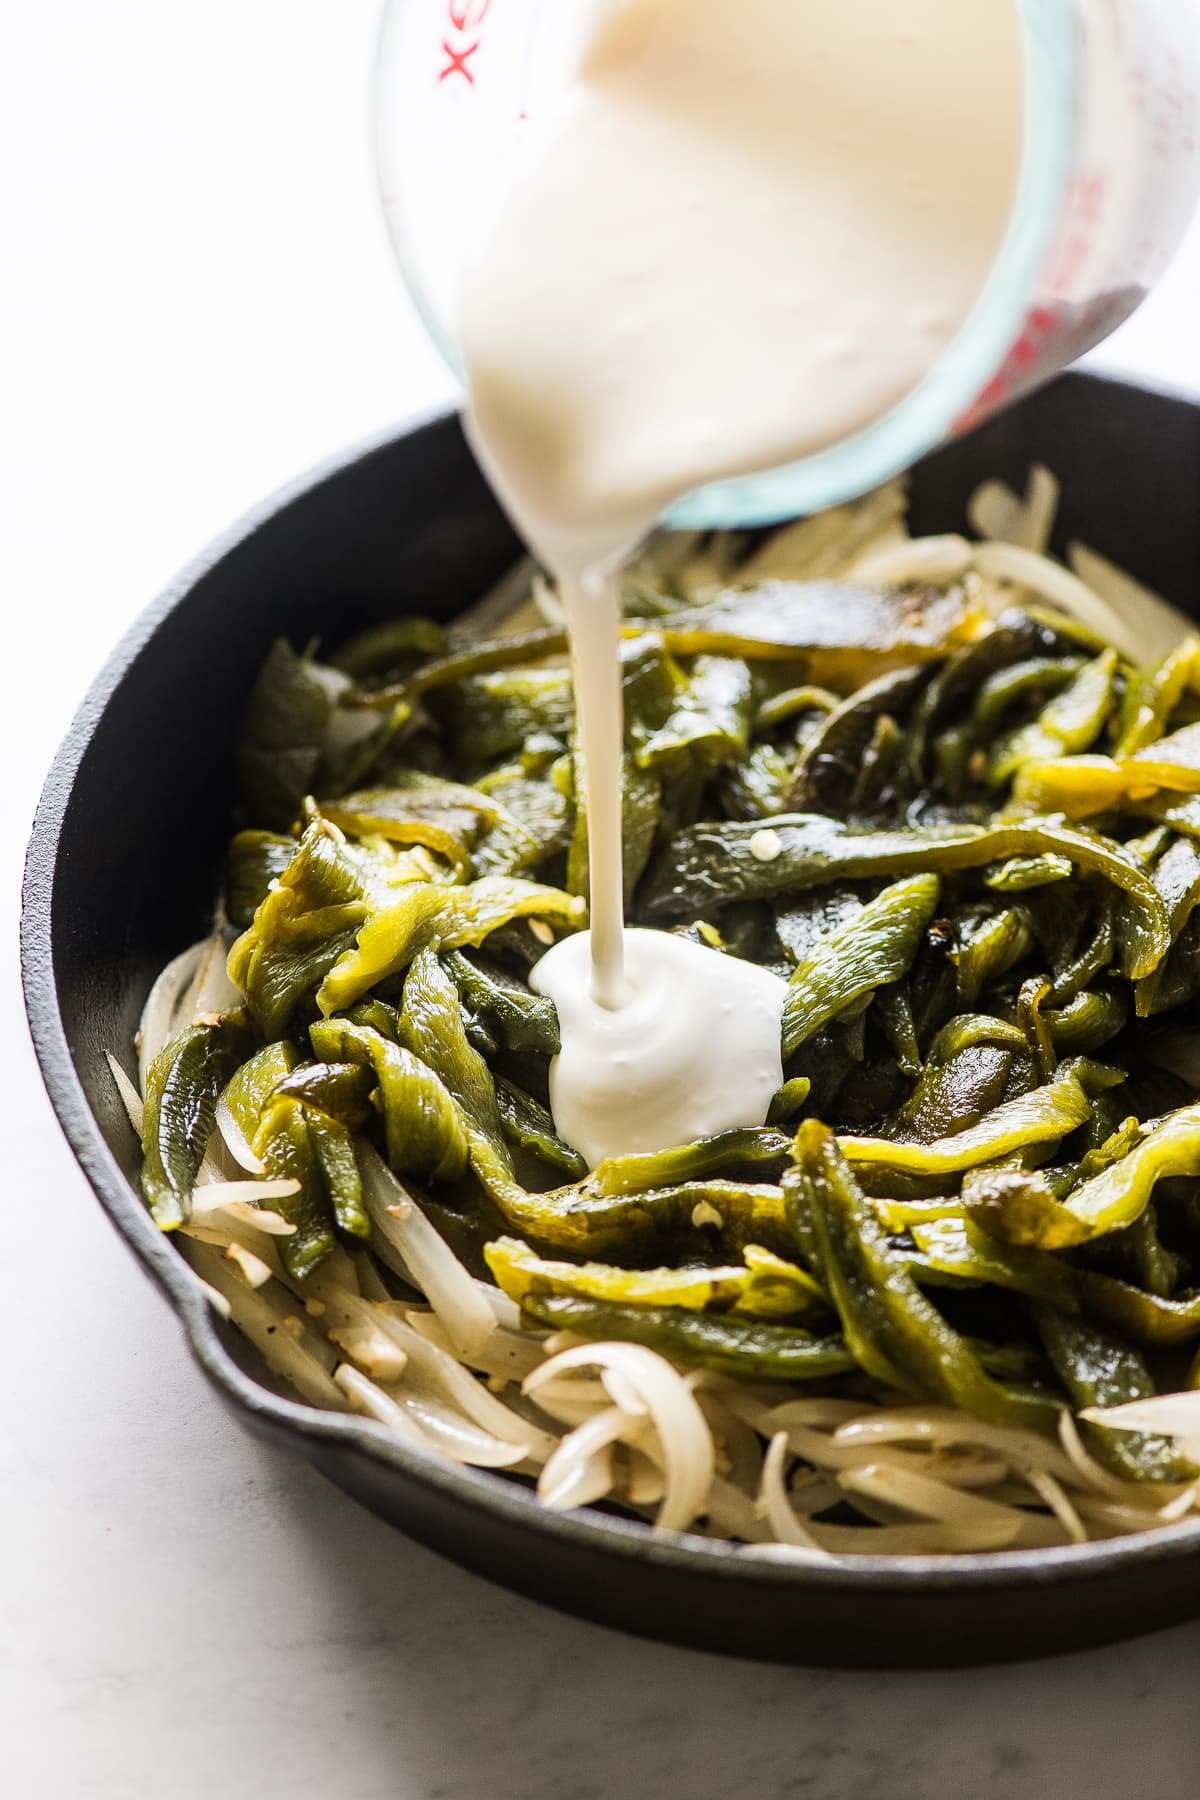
x=694 y=1049
x=749 y=231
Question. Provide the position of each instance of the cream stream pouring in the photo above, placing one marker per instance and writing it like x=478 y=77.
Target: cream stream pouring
x=747 y=232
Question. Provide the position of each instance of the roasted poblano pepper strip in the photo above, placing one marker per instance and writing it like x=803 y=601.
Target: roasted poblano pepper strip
x=285 y=1145
x=709 y=721
x=1037 y=678
x=515 y=1018
x=1071 y=722
x=893 y=1332
x=953 y=1095
x=744 y=1348
x=398 y=815
x=340 y=1090
x=182 y=1086
x=839 y=634
x=431 y=915
x=422 y=1125
x=1154 y=1322
x=1097 y=1369
x=431 y=1018
x=308 y=920
x=283 y=735
x=388 y=650
x=255 y=1081
x=831 y=759
x=1119 y=1195
x=1152 y=696
x=1081 y=786
x=527 y=1124
x=476 y=659
x=893 y=1013
x=1022 y=873
x=490 y=715
x=1176 y=875
x=787 y=1101
x=1030 y=1000
x=256 y=859
x=333 y=1148
x=1019 y=1207
x=956 y=1247
x=1086 y=1023
x=1021 y=1212
x=765 y=1286
x=710 y=864
x=802 y=923
x=530 y=823
x=1045 y=1116
x=808 y=704
x=756 y=787
x=1017 y=637
x=878 y=946
x=754 y=1154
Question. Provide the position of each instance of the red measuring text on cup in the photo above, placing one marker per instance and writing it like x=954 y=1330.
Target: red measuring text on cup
x=464 y=19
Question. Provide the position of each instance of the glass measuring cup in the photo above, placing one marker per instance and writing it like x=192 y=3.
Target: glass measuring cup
x=1110 y=172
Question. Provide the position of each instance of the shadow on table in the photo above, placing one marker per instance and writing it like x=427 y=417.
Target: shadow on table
x=473 y=1692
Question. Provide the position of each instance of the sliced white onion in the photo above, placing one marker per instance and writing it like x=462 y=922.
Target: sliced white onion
x=370 y=1282
x=430 y=1372
x=644 y=1482
x=562 y=1475
x=850 y=1541
x=365 y=1397
x=130 y=1098
x=924 y=1496
x=374 y=1350
x=277 y=1329
x=686 y=1442
x=941 y=1426
x=162 y=1002
x=430 y=1263
x=730 y=1513
x=236 y=1141
x=1156 y=626
x=1168 y=1415
x=1053 y=1495
x=216 y=1300
x=1086 y=1471
x=938 y=560
x=820 y=1415
x=996 y=512
x=1050 y=581
x=210 y=991
x=246 y=1203
x=217 y=1167
x=256 y=1272
x=506 y=1356
x=827 y=543
x=774 y=1506
x=458 y=1438
x=1119 y=1520
x=739 y=1453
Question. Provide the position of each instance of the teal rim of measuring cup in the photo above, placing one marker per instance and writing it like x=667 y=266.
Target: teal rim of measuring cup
x=1052 y=49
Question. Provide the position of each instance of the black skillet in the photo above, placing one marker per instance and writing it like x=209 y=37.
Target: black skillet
x=123 y=867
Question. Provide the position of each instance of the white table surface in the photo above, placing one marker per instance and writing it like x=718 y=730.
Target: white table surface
x=198 y=303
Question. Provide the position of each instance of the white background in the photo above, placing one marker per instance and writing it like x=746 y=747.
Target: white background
x=197 y=303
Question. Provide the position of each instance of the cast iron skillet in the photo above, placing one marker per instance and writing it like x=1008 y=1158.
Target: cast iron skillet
x=124 y=865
